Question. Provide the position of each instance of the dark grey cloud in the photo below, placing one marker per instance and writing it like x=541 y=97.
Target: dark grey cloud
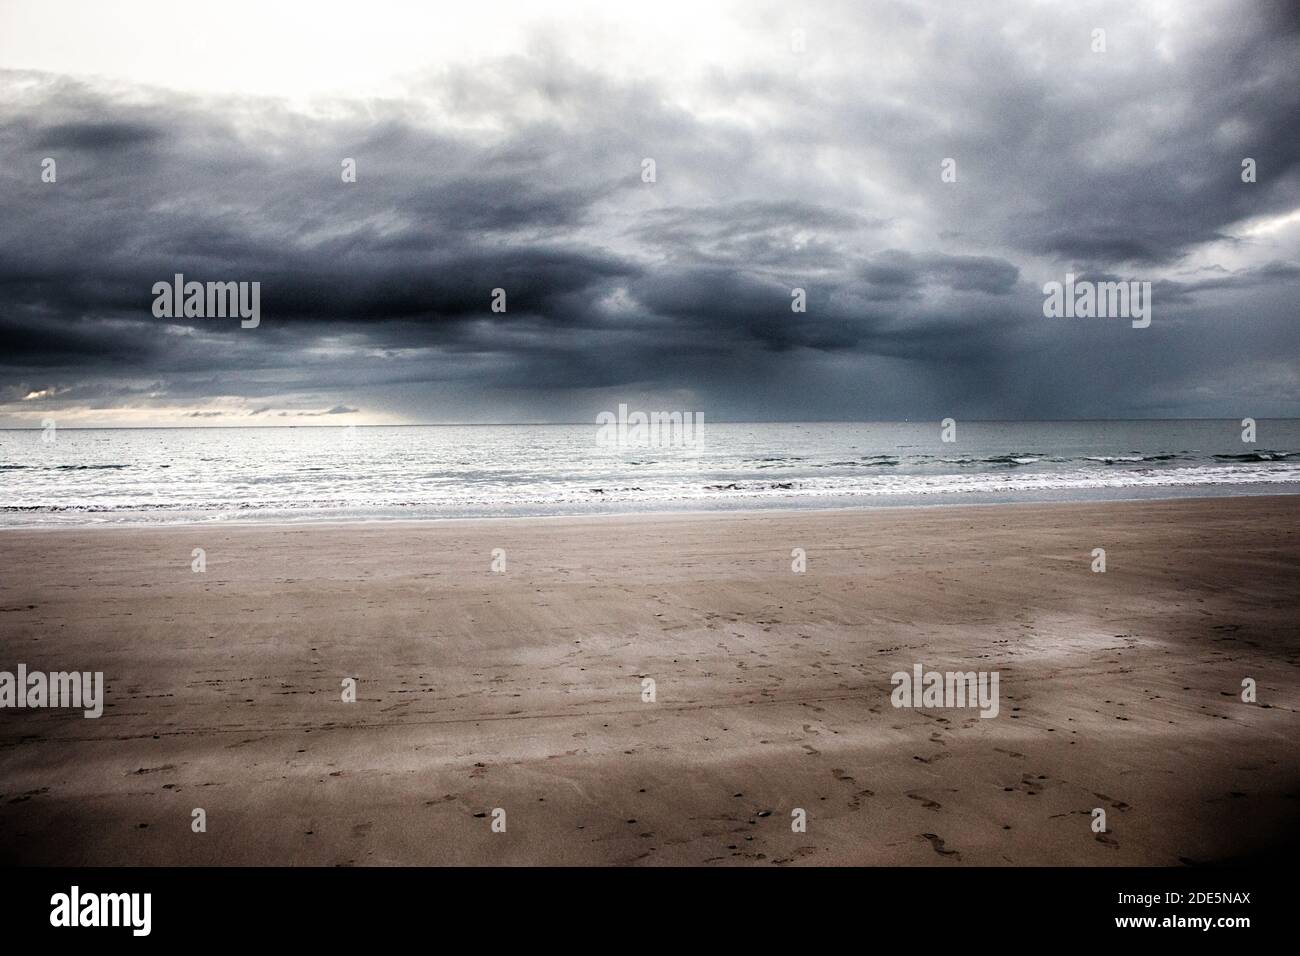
x=894 y=273
x=92 y=136
x=923 y=297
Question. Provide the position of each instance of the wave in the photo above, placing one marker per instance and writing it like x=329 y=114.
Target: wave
x=576 y=498
x=89 y=467
x=68 y=467
x=1014 y=459
x=1006 y=483
x=1261 y=455
x=866 y=461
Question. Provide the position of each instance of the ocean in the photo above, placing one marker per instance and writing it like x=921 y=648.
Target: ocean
x=170 y=475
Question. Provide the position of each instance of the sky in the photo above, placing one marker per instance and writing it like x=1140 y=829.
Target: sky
x=503 y=145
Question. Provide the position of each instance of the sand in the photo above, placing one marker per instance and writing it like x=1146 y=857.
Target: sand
x=523 y=690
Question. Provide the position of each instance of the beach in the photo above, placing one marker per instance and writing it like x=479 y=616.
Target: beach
x=523 y=688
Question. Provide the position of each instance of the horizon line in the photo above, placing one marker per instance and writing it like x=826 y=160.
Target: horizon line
x=812 y=421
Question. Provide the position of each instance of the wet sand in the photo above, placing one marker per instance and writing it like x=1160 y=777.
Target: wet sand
x=523 y=690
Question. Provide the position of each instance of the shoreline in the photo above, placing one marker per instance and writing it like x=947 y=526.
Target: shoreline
x=1268 y=491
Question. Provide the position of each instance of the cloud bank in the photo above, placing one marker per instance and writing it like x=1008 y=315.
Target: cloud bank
x=817 y=169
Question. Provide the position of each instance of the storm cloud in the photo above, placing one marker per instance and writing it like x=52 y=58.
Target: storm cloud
x=817 y=169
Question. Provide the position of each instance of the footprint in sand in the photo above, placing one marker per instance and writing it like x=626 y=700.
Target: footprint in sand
x=1031 y=785
x=803 y=851
x=839 y=774
x=935 y=759
x=938 y=843
x=1105 y=839
x=24 y=797
x=855 y=802
x=926 y=802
